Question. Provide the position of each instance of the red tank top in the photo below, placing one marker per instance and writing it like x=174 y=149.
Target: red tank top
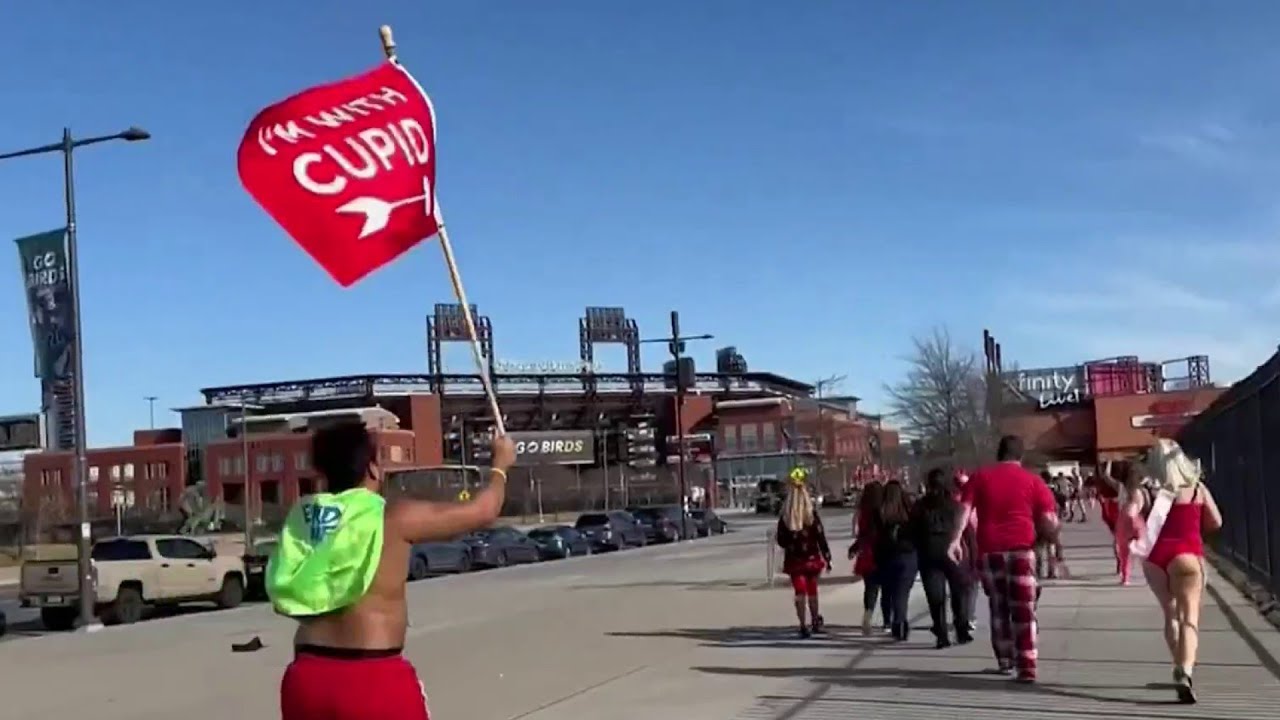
x=1181 y=532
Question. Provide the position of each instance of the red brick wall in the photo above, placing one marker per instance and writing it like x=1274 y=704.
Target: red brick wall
x=155 y=475
x=284 y=459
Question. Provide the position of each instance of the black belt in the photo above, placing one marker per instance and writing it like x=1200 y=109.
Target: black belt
x=344 y=653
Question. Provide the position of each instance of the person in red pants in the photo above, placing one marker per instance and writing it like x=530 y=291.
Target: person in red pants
x=805 y=552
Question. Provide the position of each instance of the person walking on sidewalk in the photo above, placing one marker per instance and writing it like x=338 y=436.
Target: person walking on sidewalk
x=1013 y=507
x=895 y=552
x=1172 y=547
x=934 y=520
x=862 y=551
x=805 y=552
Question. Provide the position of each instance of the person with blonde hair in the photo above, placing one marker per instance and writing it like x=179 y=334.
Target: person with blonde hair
x=805 y=551
x=1171 y=544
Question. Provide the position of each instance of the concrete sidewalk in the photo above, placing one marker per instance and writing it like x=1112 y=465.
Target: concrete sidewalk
x=1101 y=656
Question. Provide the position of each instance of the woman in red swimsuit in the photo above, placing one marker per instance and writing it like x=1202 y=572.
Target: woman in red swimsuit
x=1178 y=515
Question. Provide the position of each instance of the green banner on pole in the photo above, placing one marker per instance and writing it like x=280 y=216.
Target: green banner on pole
x=47 y=281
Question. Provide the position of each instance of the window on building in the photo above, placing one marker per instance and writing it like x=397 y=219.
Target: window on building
x=397 y=453
x=301 y=461
x=161 y=470
x=749 y=436
x=128 y=471
x=115 y=472
x=768 y=437
x=93 y=473
x=277 y=462
x=237 y=465
x=224 y=466
x=262 y=462
x=729 y=438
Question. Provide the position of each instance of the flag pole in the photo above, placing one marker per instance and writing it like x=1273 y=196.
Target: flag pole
x=389 y=49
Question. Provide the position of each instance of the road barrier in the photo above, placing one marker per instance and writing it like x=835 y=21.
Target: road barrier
x=771 y=557
x=1237 y=441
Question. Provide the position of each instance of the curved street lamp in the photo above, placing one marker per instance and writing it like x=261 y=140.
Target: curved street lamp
x=80 y=470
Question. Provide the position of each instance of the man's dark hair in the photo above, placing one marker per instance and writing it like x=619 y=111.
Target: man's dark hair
x=937 y=482
x=1011 y=449
x=342 y=453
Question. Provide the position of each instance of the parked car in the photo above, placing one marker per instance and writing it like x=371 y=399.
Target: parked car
x=664 y=523
x=501 y=546
x=769 y=496
x=707 y=522
x=611 y=530
x=434 y=558
x=560 y=541
x=129 y=575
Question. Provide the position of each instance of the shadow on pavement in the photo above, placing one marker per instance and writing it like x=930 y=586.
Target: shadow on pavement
x=827 y=582
x=941 y=680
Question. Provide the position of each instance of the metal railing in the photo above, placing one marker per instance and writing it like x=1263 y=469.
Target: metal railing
x=1237 y=440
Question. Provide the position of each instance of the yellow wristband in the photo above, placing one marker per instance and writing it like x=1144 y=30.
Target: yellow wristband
x=500 y=471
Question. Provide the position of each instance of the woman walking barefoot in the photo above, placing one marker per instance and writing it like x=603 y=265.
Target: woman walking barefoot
x=805 y=552
x=1172 y=549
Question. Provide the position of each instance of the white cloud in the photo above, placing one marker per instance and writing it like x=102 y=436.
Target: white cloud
x=1118 y=291
x=1210 y=143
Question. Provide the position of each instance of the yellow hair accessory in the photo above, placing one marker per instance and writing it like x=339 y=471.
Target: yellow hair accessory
x=798 y=476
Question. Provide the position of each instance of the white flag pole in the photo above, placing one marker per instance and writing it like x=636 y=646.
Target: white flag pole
x=482 y=367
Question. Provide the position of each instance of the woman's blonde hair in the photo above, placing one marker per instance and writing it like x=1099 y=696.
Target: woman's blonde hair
x=797 y=509
x=1171 y=468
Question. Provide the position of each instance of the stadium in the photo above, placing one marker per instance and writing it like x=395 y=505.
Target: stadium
x=587 y=439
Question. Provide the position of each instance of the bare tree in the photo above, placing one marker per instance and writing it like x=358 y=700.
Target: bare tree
x=942 y=402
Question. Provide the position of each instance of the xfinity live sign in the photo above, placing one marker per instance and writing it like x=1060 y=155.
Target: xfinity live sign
x=1049 y=387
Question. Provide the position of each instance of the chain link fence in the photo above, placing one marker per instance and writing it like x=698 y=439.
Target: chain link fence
x=1237 y=440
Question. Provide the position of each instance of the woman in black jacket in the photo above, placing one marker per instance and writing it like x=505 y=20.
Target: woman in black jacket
x=933 y=520
x=896 y=555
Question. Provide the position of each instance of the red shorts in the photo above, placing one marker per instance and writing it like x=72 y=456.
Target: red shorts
x=327 y=684
x=805 y=583
x=1110 y=513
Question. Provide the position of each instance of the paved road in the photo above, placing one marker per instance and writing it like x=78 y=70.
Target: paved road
x=678 y=631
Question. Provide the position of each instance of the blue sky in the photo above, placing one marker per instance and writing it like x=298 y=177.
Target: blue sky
x=813 y=182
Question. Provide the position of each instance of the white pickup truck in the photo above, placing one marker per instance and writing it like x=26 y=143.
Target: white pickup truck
x=131 y=573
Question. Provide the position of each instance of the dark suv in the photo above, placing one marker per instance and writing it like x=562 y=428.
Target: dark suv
x=663 y=523
x=611 y=530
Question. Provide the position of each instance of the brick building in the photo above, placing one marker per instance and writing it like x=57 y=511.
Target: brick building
x=149 y=475
x=763 y=439
x=1099 y=410
x=278 y=452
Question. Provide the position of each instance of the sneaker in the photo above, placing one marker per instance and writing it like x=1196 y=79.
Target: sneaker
x=819 y=625
x=1025 y=679
x=943 y=643
x=1183 y=686
x=963 y=638
x=804 y=633
x=867 y=619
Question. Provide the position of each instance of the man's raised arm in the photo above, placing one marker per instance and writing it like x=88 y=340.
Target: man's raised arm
x=423 y=521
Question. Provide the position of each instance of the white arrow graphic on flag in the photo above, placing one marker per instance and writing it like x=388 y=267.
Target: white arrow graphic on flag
x=377 y=212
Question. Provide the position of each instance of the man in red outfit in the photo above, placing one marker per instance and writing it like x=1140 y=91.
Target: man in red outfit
x=1013 y=507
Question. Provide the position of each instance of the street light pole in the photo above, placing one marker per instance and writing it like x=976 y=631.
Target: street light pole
x=675 y=345
x=80 y=467
x=151 y=409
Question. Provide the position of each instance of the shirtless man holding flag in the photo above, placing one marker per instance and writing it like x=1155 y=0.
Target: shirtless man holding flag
x=340 y=569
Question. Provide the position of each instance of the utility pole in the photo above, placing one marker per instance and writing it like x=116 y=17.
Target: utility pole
x=675 y=345
x=151 y=409
x=820 y=386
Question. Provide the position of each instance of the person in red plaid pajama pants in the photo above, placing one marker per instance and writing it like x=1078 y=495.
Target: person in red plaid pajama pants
x=1009 y=579
x=1014 y=508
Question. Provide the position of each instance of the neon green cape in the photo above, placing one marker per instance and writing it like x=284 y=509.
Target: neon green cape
x=328 y=553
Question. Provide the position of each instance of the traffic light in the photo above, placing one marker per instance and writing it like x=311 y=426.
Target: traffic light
x=453 y=447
